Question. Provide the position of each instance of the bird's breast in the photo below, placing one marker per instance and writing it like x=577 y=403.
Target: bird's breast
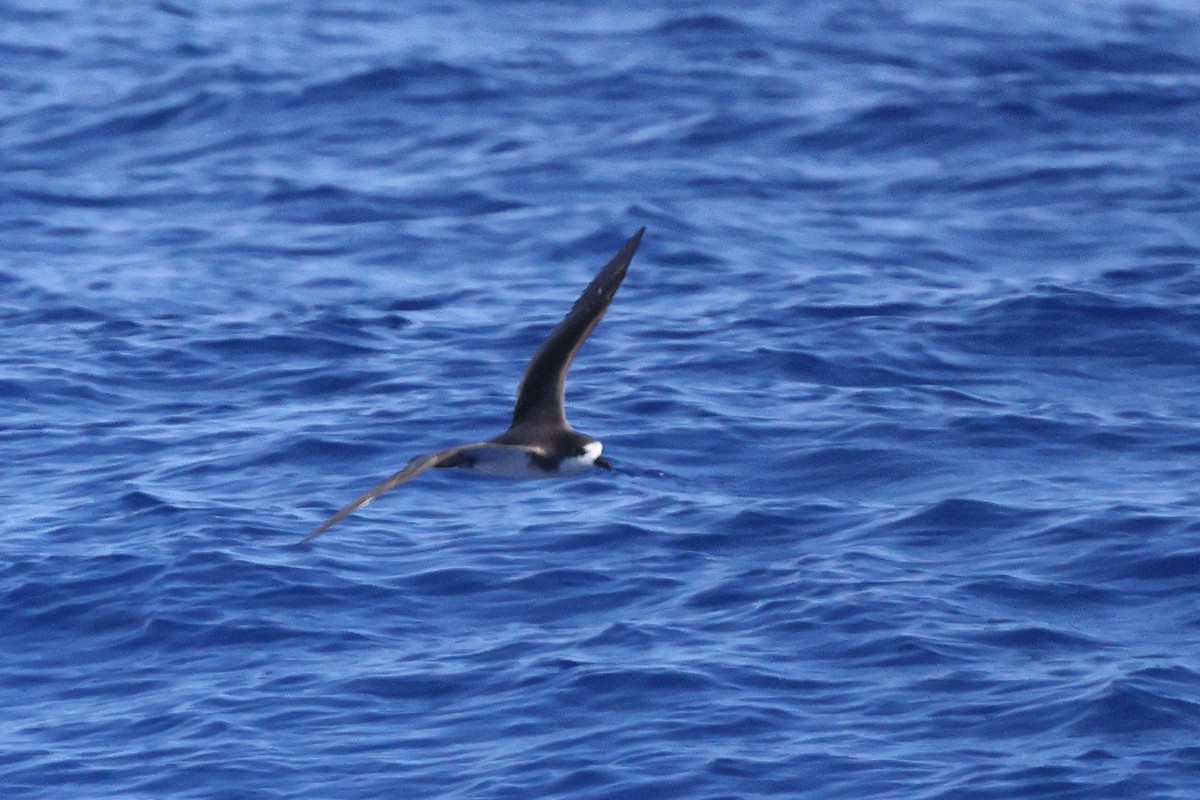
x=511 y=462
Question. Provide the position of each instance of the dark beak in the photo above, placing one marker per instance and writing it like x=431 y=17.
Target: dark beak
x=602 y=462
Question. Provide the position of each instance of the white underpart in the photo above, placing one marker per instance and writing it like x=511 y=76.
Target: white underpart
x=513 y=462
x=578 y=464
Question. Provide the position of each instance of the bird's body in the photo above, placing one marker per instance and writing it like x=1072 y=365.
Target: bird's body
x=540 y=443
x=506 y=461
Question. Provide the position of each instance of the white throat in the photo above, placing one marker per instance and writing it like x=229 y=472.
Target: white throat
x=581 y=463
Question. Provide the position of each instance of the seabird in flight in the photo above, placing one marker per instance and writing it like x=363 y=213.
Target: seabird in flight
x=540 y=443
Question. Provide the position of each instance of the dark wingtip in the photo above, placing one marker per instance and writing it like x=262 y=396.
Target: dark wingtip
x=629 y=248
x=304 y=543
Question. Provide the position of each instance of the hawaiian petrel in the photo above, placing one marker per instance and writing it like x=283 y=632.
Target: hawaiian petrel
x=540 y=443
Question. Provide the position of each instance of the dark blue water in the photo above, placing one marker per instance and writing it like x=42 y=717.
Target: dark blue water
x=903 y=390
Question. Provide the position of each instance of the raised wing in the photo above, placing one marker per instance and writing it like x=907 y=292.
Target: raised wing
x=540 y=395
x=444 y=458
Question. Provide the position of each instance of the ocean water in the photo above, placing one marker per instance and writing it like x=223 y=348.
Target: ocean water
x=902 y=390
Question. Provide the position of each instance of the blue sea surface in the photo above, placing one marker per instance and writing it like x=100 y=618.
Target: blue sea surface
x=902 y=391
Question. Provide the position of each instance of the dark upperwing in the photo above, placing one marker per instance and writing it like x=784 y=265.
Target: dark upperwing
x=540 y=395
x=420 y=464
